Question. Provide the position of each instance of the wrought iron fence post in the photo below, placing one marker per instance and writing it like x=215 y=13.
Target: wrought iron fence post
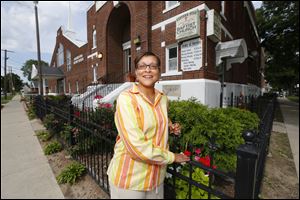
x=46 y=105
x=247 y=155
x=70 y=120
x=231 y=99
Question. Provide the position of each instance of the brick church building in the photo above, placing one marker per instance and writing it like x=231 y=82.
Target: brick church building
x=201 y=44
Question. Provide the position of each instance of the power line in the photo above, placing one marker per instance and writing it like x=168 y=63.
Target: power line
x=5 y=59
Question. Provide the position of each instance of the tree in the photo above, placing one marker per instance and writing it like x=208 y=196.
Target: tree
x=278 y=27
x=27 y=67
x=16 y=83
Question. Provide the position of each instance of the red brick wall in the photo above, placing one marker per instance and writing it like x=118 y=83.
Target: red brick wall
x=109 y=24
x=78 y=71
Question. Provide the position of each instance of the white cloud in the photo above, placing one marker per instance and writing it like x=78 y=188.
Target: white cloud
x=18 y=27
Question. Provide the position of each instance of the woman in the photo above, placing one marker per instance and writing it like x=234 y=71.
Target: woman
x=138 y=167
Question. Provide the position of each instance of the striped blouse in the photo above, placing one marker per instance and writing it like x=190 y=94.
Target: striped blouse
x=141 y=151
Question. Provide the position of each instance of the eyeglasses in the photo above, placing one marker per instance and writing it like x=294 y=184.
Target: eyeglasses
x=144 y=67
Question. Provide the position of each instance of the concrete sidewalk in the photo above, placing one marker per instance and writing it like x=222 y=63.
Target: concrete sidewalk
x=25 y=171
x=290 y=113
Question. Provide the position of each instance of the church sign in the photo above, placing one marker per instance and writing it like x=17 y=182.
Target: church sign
x=191 y=55
x=188 y=25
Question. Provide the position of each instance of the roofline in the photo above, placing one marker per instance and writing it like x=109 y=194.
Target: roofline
x=246 y=4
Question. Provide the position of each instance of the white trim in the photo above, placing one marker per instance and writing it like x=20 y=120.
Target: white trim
x=89 y=7
x=99 y=5
x=223 y=15
x=77 y=42
x=171 y=73
x=77 y=87
x=251 y=19
x=226 y=31
x=173 y=19
x=167 y=58
x=126 y=45
x=222 y=12
x=171 y=7
x=92 y=55
x=116 y=4
x=70 y=91
x=163 y=44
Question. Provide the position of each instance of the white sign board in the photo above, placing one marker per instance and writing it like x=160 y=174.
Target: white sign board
x=172 y=90
x=188 y=25
x=191 y=55
x=213 y=25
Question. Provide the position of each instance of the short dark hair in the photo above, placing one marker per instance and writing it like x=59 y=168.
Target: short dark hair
x=148 y=53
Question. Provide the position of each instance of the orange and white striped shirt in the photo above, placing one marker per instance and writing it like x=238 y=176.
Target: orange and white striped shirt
x=141 y=151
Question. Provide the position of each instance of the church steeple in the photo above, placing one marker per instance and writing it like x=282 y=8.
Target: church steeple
x=69 y=18
x=70 y=32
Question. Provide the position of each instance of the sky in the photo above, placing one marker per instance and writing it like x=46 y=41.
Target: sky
x=18 y=29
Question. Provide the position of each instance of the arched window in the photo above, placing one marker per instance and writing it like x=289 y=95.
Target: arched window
x=69 y=61
x=94 y=39
x=60 y=55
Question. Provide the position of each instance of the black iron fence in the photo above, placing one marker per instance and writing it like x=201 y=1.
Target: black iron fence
x=92 y=136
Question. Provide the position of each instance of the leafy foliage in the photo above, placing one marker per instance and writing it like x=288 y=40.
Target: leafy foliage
x=52 y=124
x=43 y=135
x=201 y=126
x=27 y=67
x=66 y=133
x=71 y=173
x=17 y=82
x=182 y=187
x=53 y=147
x=31 y=112
x=278 y=27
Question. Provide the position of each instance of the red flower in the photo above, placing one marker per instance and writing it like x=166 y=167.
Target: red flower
x=206 y=161
x=98 y=97
x=105 y=105
x=198 y=151
x=187 y=153
x=77 y=113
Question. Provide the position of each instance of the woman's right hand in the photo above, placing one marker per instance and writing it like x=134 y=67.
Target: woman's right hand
x=179 y=158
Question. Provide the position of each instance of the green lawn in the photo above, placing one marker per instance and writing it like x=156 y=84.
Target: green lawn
x=293 y=98
x=4 y=101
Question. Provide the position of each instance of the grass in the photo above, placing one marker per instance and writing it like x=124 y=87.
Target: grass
x=293 y=98
x=4 y=101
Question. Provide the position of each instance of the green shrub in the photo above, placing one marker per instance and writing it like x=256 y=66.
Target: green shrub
x=201 y=124
x=66 y=133
x=43 y=135
x=182 y=186
x=48 y=120
x=53 y=148
x=52 y=124
x=71 y=173
x=31 y=112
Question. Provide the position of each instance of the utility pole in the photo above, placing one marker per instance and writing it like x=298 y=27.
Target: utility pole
x=38 y=47
x=12 y=88
x=5 y=58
